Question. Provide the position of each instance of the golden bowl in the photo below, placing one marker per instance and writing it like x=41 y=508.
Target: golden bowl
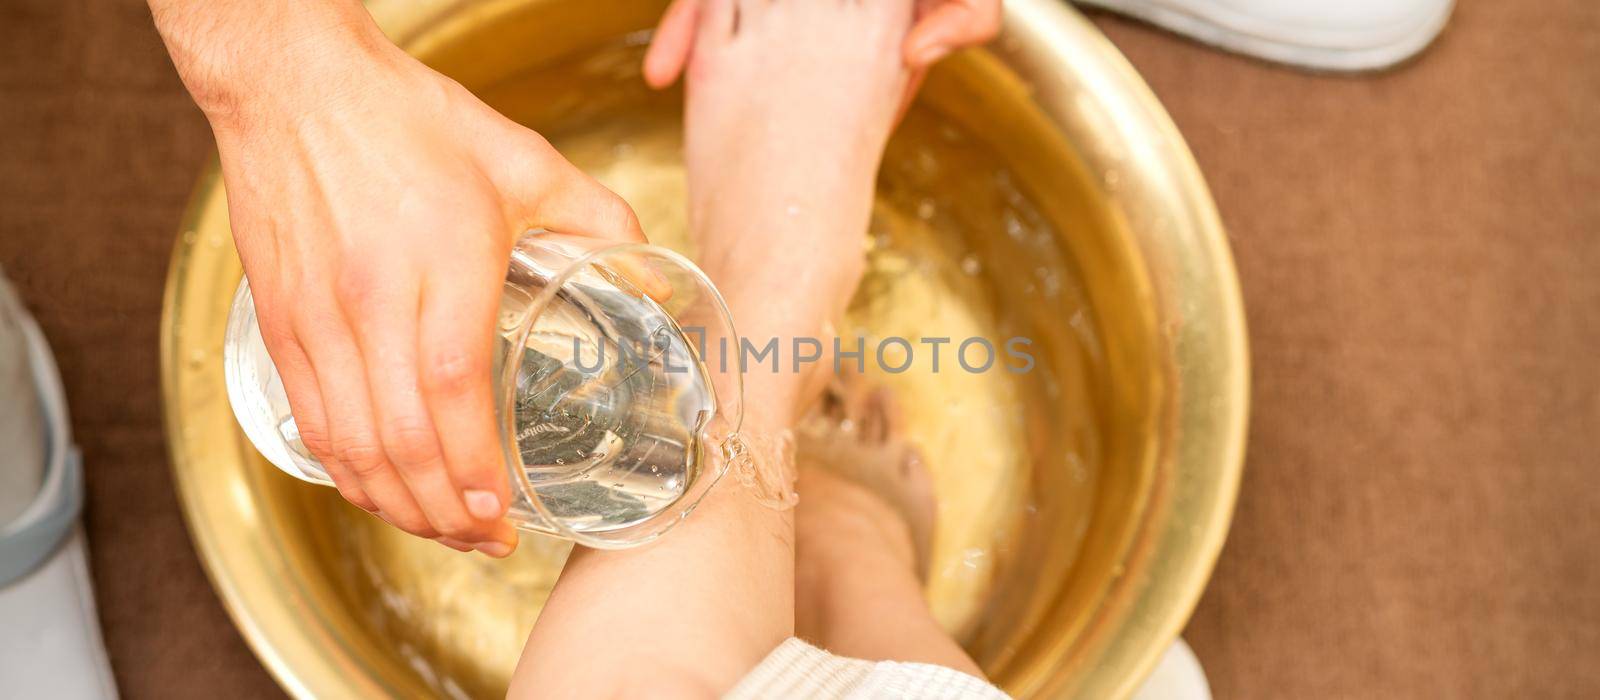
x=1036 y=190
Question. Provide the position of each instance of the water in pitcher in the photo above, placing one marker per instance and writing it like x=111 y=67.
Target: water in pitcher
x=609 y=400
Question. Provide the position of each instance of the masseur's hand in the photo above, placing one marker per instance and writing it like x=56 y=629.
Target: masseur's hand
x=374 y=203
x=939 y=27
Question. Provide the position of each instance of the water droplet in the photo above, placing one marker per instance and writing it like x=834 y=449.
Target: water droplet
x=973 y=557
x=971 y=265
x=1050 y=280
x=1014 y=227
x=926 y=209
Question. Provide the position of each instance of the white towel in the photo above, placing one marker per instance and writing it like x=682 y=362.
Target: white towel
x=799 y=670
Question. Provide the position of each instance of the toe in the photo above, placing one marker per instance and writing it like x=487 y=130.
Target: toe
x=718 y=22
x=883 y=420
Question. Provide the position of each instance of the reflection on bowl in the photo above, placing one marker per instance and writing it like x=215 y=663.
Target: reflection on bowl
x=1036 y=190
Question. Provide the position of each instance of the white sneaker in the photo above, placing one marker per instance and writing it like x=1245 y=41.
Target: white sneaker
x=1349 y=35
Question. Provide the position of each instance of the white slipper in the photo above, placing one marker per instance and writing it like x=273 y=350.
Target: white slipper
x=22 y=427
x=1352 y=35
x=50 y=645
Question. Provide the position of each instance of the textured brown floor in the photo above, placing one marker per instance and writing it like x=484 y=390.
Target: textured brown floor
x=1420 y=254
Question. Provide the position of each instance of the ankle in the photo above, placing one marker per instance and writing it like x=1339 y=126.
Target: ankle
x=836 y=591
x=848 y=537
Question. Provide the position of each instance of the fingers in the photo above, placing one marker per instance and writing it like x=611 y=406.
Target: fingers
x=672 y=44
x=360 y=408
x=385 y=314
x=456 y=346
x=949 y=25
x=305 y=400
x=455 y=544
x=352 y=433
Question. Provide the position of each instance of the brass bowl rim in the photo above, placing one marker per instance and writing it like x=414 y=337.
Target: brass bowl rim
x=1232 y=399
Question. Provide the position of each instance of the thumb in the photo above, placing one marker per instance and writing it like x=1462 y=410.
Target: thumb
x=540 y=188
x=569 y=201
x=563 y=199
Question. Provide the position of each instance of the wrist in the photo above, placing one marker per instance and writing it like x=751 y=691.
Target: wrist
x=238 y=62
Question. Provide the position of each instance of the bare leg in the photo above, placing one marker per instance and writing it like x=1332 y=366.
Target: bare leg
x=789 y=109
x=863 y=525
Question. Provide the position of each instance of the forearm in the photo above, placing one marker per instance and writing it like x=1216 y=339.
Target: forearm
x=236 y=58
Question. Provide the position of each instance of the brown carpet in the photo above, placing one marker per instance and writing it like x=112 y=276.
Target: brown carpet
x=1420 y=257
x=1419 y=250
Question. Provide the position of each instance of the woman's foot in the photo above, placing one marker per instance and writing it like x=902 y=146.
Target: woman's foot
x=861 y=471
x=862 y=530
x=790 y=104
